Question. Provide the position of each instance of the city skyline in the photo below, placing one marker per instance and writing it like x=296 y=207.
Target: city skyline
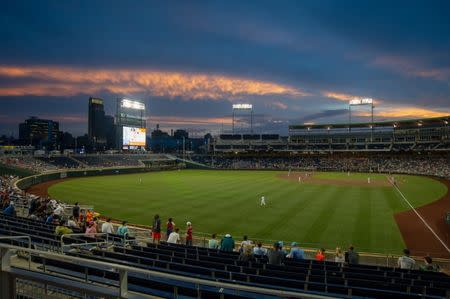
x=190 y=61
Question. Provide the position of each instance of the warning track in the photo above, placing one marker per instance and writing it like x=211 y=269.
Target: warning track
x=418 y=238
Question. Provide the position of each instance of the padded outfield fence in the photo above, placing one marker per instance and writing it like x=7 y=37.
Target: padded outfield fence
x=27 y=182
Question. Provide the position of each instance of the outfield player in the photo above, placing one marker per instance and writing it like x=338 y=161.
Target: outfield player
x=263 y=201
x=368 y=180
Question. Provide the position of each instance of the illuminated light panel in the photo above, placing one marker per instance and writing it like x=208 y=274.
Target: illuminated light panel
x=242 y=106
x=362 y=101
x=126 y=103
x=97 y=101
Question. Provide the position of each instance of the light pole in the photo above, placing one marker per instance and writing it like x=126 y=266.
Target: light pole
x=243 y=107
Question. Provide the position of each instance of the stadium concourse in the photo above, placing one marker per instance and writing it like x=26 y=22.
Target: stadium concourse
x=219 y=268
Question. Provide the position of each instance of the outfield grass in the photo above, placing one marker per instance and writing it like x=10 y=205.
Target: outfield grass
x=228 y=202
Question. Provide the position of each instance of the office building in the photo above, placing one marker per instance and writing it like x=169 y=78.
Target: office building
x=96 y=122
x=43 y=133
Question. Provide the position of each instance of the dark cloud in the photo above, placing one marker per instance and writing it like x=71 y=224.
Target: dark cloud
x=324 y=116
x=395 y=52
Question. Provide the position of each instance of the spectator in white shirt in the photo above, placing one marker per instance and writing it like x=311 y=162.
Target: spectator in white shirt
x=107 y=227
x=244 y=243
x=174 y=237
x=406 y=262
x=59 y=210
x=259 y=250
x=71 y=223
x=53 y=203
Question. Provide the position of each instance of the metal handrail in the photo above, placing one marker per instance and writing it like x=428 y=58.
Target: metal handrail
x=123 y=271
x=21 y=237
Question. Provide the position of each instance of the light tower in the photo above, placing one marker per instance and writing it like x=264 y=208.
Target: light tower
x=245 y=108
x=359 y=102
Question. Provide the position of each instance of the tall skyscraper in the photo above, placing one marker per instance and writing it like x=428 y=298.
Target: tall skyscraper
x=40 y=132
x=96 y=119
x=110 y=132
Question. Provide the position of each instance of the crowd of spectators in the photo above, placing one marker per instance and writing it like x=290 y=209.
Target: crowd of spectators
x=46 y=210
x=52 y=163
x=27 y=162
x=10 y=196
x=434 y=165
x=111 y=160
x=409 y=164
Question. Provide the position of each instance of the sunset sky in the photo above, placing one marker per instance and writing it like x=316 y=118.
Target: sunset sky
x=295 y=61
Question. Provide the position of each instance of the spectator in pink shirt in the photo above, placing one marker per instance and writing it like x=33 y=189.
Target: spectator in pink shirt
x=91 y=230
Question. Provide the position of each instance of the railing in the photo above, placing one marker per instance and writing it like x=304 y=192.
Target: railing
x=18 y=238
x=123 y=270
x=384 y=257
x=106 y=241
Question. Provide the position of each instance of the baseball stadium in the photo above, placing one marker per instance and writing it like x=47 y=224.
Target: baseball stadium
x=225 y=149
x=376 y=188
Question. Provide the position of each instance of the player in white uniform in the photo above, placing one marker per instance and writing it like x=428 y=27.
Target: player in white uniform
x=263 y=201
x=368 y=180
x=299 y=179
x=140 y=180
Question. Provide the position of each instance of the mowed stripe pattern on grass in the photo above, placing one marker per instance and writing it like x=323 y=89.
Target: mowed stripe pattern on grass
x=228 y=202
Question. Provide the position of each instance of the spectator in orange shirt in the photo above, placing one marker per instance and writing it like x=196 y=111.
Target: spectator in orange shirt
x=320 y=256
x=89 y=216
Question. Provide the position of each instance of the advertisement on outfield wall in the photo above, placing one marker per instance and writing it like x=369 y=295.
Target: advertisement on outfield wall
x=133 y=137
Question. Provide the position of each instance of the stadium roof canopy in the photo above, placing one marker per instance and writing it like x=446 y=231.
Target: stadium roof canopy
x=409 y=123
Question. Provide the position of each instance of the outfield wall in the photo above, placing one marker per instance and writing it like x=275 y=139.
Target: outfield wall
x=27 y=182
x=11 y=170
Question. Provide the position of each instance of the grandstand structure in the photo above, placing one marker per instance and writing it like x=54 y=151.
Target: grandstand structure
x=57 y=162
x=428 y=134
x=35 y=263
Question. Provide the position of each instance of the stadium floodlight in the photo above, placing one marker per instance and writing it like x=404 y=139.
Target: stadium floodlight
x=243 y=107
x=127 y=103
x=357 y=102
x=363 y=101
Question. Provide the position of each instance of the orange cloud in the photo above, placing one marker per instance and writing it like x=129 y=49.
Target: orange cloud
x=405 y=112
x=69 y=81
x=280 y=105
x=411 y=67
x=345 y=97
x=174 y=120
x=339 y=96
